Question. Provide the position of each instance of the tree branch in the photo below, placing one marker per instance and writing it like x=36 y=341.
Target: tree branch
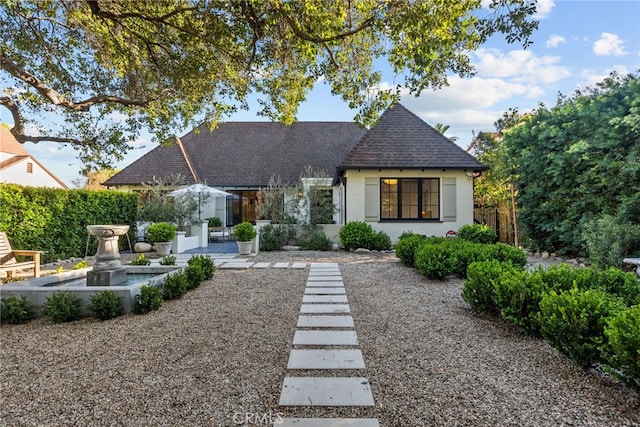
x=299 y=32
x=18 y=127
x=63 y=101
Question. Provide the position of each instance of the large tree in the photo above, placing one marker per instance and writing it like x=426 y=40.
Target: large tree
x=577 y=163
x=94 y=73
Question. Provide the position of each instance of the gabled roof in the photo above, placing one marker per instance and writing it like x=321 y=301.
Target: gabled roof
x=8 y=143
x=401 y=140
x=246 y=154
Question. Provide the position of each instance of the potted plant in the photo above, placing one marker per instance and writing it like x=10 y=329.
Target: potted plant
x=161 y=234
x=245 y=233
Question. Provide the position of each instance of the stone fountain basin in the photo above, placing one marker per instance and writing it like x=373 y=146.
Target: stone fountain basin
x=39 y=289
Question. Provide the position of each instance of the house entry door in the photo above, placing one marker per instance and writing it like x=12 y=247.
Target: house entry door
x=242 y=206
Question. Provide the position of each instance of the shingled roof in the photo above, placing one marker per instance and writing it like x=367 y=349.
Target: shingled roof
x=401 y=140
x=246 y=154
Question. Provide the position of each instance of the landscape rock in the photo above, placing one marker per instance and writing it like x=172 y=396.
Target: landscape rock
x=291 y=248
x=142 y=247
x=362 y=251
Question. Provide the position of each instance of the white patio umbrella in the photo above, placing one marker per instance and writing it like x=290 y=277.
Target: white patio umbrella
x=199 y=190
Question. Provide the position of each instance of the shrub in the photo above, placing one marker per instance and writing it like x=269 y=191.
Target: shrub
x=272 y=238
x=194 y=275
x=105 y=305
x=161 y=232
x=517 y=294
x=507 y=253
x=559 y=277
x=477 y=233
x=573 y=322
x=434 y=261
x=15 y=310
x=206 y=263
x=381 y=241
x=609 y=239
x=140 y=260
x=244 y=232
x=168 y=260
x=62 y=306
x=214 y=222
x=315 y=240
x=617 y=282
x=149 y=299
x=80 y=265
x=478 y=289
x=622 y=347
x=406 y=247
x=175 y=285
x=359 y=234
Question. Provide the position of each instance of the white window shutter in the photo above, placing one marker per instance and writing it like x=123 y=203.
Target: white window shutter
x=371 y=199
x=448 y=199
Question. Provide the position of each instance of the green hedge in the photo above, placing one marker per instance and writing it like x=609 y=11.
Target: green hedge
x=591 y=315
x=437 y=258
x=55 y=221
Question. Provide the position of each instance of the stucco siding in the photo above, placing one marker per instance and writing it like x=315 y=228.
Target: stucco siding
x=356 y=194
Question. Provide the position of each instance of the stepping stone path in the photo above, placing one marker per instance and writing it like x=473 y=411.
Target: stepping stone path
x=325 y=323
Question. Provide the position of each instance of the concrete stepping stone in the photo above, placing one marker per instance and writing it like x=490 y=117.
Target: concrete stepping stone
x=325 y=338
x=324 y=265
x=325 y=308
x=326 y=391
x=325 y=321
x=329 y=422
x=299 y=265
x=325 y=284
x=281 y=265
x=325 y=291
x=324 y=298
x=312 y=278
x=236 y=265
x=261 y=265
x=325 y=359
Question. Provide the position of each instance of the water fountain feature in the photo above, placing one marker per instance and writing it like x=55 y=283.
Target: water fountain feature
x=107 y=273
x=107 y=270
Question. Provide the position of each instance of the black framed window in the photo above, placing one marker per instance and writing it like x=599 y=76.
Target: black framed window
x=410 y=198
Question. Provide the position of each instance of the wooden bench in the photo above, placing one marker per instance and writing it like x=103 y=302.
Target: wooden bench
x=634 y=261
x=8 y=261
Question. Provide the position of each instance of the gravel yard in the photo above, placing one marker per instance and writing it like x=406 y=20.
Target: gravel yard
x=220 y=354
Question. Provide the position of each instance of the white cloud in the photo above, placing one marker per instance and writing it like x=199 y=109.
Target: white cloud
x=555 y=40
x=521 y=66
x=591 y=77
x=544 y=8
x=609 y=44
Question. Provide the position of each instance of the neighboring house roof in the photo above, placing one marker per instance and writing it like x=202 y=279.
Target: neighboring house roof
x=401 y=140
x=9 y=145
x=246 y=154
x=17 y=155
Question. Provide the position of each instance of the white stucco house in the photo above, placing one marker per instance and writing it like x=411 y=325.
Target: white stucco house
x=401 y=175
x=17 y=166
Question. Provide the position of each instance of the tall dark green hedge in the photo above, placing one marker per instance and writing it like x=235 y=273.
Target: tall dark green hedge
x=55 y=221
x=577 y=162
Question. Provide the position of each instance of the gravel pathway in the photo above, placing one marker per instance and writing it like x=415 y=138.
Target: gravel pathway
x=218 y=357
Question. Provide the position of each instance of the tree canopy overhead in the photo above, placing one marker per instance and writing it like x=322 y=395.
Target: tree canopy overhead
x=106 y=69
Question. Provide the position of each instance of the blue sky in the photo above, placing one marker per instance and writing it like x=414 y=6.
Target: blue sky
x=578 y=43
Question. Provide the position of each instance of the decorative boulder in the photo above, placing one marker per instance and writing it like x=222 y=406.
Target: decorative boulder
x=142 y=247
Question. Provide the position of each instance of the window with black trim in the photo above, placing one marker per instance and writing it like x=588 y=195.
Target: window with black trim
x=410 y=198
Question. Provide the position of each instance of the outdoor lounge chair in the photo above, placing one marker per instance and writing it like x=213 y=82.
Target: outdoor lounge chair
x=8 y=261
